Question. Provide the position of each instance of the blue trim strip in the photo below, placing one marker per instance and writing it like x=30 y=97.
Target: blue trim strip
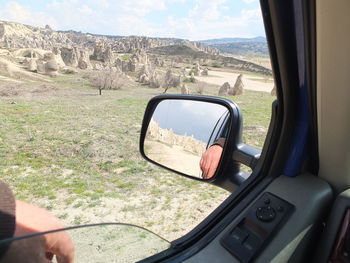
x=301 y=131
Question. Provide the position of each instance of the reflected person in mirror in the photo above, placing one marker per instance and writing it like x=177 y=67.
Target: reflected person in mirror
x=211 y=158
x=18 y=218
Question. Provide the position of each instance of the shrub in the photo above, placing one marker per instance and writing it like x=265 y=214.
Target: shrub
x=107 y=80
x=189 y=80
x=216 y=65
x=126 y=57
x=170 y=81
x=200 y=86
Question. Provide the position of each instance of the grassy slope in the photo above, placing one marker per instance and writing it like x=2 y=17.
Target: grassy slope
x=75 y=152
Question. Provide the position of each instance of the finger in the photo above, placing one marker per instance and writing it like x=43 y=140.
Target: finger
x=206 y=167
x=212 y=169
x=49 y=255
x=68 y=258
x=201 y=163
x=63 y=248
x=205 y=172
x=64 y=259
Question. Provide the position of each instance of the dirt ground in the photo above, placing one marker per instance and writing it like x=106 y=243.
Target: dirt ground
x=174 y=157
x=251 y=82
x=76 y=153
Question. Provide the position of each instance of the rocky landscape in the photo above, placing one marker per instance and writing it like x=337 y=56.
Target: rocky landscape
x=28 y=52
x=240 y=47
x=76 y=153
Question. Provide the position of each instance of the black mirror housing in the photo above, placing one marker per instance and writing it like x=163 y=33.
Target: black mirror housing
x=227 y=174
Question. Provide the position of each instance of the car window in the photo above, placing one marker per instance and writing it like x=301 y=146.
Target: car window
x=74 y=83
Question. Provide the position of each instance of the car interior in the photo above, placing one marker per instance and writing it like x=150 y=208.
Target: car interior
x=304 y=217
x=295 y=205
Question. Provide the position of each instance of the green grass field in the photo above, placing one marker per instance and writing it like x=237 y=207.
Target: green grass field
x=76 y=153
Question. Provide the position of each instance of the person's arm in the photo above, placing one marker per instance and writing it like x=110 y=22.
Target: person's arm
x=211 y=158
x=221 y=141
x=18 y=218
x=7 y=215
x=32 y=219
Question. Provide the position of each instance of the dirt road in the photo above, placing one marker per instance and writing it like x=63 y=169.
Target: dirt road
x=250 y=82
x=174 y=157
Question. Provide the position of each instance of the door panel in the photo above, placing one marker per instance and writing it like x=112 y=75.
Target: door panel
x=337 y=222
x=311 y=197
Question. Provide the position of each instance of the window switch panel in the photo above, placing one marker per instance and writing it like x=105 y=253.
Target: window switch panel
x=259 y=224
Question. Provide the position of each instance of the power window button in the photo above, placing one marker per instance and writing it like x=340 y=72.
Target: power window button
x=252 y=243
x=239 y=235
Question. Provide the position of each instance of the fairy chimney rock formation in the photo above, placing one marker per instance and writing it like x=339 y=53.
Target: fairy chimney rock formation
x=273 y=91
x=32 y=66
x=84 y=60
x=51 y=65
x=102 y=53
x=185 y=89
x=69 y=56
x=196 y=70
x=204 y=72
x=223 y=91
x=238 y=87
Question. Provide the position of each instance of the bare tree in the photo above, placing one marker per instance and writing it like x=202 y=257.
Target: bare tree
x=108 y=79
x=170 y=81
x=200 y=86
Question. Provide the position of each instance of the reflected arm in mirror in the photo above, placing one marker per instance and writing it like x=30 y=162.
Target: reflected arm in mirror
x=211 y=158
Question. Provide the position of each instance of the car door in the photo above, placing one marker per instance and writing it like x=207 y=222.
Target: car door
x=276 y=214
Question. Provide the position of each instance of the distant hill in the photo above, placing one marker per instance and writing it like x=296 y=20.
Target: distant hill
x=178 y=50
x=190 y=53
x=72 y=47
x=17 y=35
x=246 y=47
x=233 y=40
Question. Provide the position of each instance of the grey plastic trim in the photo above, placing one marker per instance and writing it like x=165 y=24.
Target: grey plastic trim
x=311 y=197
x=333 y=92
x=335 y=219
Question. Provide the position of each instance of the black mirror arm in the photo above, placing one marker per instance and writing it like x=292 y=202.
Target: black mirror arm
x=247 y=155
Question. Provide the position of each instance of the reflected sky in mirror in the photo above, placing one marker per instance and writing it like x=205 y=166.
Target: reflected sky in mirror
x=189 y=117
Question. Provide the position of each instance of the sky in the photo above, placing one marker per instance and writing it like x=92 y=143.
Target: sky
x=187 y=19
x=186 y=117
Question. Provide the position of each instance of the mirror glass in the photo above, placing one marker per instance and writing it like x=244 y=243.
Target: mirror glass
x=180 y=132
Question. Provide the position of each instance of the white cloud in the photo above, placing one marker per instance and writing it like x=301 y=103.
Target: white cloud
x=134 y=25
x=143 y=7
x=205 y=10
x=226 y=26
x=85 y=10
x=251 y=14
x=76 y=15
x=102 y=3
x=13 y=11
x=205 y=20
x=249 y=1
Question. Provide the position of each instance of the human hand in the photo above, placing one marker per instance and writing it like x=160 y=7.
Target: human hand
x=210 y=161
x=32 y=219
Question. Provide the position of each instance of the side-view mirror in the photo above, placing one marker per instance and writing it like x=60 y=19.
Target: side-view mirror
x=179 y=133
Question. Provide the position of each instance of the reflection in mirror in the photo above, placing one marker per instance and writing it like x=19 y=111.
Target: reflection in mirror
x=180 y=131
x=98 y=243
